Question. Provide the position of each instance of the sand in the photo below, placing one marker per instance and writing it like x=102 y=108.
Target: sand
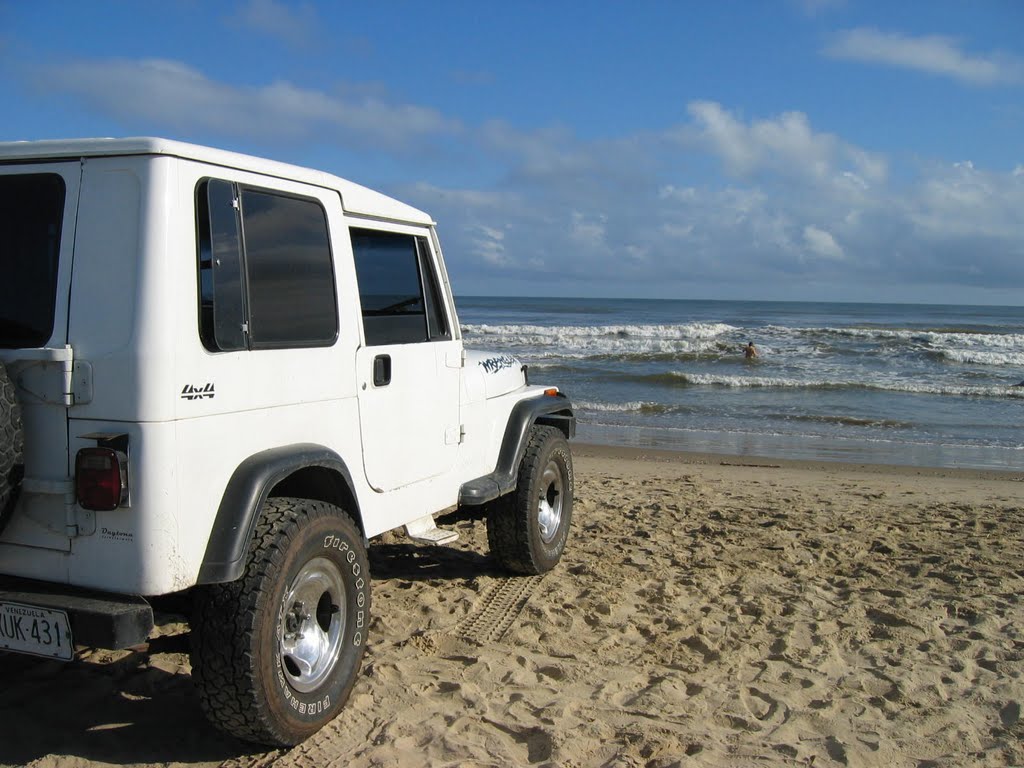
x=708 y=611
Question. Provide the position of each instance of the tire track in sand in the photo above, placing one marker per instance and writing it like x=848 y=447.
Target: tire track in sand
x=498 y=609
x=352 y=729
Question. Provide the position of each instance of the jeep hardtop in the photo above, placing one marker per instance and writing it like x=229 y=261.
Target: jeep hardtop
x=222 y=376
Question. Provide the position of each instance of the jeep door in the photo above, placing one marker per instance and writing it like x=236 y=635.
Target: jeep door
x=408 y=370
x=38 y=214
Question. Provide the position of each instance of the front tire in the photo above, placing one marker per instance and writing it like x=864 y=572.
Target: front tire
x=276 y=653
x=527 y=529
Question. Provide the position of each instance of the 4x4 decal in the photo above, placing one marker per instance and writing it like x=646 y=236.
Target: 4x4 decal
x=188 y=392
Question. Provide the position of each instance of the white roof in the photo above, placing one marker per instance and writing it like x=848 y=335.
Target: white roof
x=355 y=198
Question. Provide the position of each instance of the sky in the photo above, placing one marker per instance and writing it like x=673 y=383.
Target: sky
x=809 y=150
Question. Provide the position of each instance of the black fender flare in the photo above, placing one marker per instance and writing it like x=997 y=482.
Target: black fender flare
x=250 y=485
x=550 y=409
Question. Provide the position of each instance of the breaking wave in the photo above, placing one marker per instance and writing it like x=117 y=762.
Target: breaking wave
x=700 y=340
x=698 y=379
x=943 y=381
x=630 y=407
x=981 y=357
x=682 y=331
x=596 y=341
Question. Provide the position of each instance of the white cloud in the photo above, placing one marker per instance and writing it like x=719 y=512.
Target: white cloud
x=933 y=54
x=468 y=199
x=538 y=151
x=854 y=181
x=294 y=24
x=670 y=192
x=801 y=205
x=821 y=243
x=636 y=254
x=488 y=245
x=785 y=144
x=561 y=212
x=961 y=201
x=168 y=93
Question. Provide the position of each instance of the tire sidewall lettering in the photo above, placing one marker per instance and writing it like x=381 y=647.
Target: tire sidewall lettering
x=339 y=548
x=336 y=542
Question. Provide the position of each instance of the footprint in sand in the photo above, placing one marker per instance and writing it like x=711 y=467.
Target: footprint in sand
x=761 y=705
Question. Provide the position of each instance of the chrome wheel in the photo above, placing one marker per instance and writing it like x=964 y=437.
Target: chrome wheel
x=312 y=624
x=549 y=505
x=275 y=653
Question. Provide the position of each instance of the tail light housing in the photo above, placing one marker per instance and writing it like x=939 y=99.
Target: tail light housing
x=101 y=478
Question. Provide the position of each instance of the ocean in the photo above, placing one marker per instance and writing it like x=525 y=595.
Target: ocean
x=921 y=385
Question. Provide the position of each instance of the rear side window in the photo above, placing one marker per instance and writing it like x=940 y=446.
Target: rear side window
x=266 y=276
x=398 y=288
x=31 y=212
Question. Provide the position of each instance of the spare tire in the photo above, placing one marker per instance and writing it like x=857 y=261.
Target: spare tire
x=12 y=446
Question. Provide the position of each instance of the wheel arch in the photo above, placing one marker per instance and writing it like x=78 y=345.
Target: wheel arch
x=549 y=410
x=303 y=470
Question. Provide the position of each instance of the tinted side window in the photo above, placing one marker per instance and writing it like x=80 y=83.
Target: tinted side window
x=397 y=288
x=289 y=269
x=31 y=213
x=266 y=276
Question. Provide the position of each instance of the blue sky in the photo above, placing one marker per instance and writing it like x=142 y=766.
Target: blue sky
x=804 y=150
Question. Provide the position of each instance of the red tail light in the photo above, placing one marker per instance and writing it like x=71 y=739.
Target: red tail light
x=101 y=478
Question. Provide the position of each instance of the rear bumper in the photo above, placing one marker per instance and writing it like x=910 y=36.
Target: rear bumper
x=98 y=619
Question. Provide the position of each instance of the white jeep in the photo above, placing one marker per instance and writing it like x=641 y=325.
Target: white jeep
x=225 y=375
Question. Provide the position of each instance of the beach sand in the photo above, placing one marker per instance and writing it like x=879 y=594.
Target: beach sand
x=709 y=610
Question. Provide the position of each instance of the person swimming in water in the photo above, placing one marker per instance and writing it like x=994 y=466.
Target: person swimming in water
x=750 y=351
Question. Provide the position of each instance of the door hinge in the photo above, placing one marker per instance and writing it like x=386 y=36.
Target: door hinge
x=52 y=375
x=455 y=435
x=78 y=384
x=453 y=361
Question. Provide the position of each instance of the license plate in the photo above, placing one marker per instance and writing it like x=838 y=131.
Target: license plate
x=39 y=631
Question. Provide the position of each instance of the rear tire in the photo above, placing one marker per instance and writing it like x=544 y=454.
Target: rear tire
x=276 y=653
x=527 y=529
x=12 y=448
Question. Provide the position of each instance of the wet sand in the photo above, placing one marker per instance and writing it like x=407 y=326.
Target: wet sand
x=710 y=610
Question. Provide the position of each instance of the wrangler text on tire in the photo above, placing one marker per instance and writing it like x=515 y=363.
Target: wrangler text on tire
x=275 y=654
x=527 y=529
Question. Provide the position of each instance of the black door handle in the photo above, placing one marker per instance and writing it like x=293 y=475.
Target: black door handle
x=381 y=370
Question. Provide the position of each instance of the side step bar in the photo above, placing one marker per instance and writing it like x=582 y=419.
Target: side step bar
x=425 y=531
